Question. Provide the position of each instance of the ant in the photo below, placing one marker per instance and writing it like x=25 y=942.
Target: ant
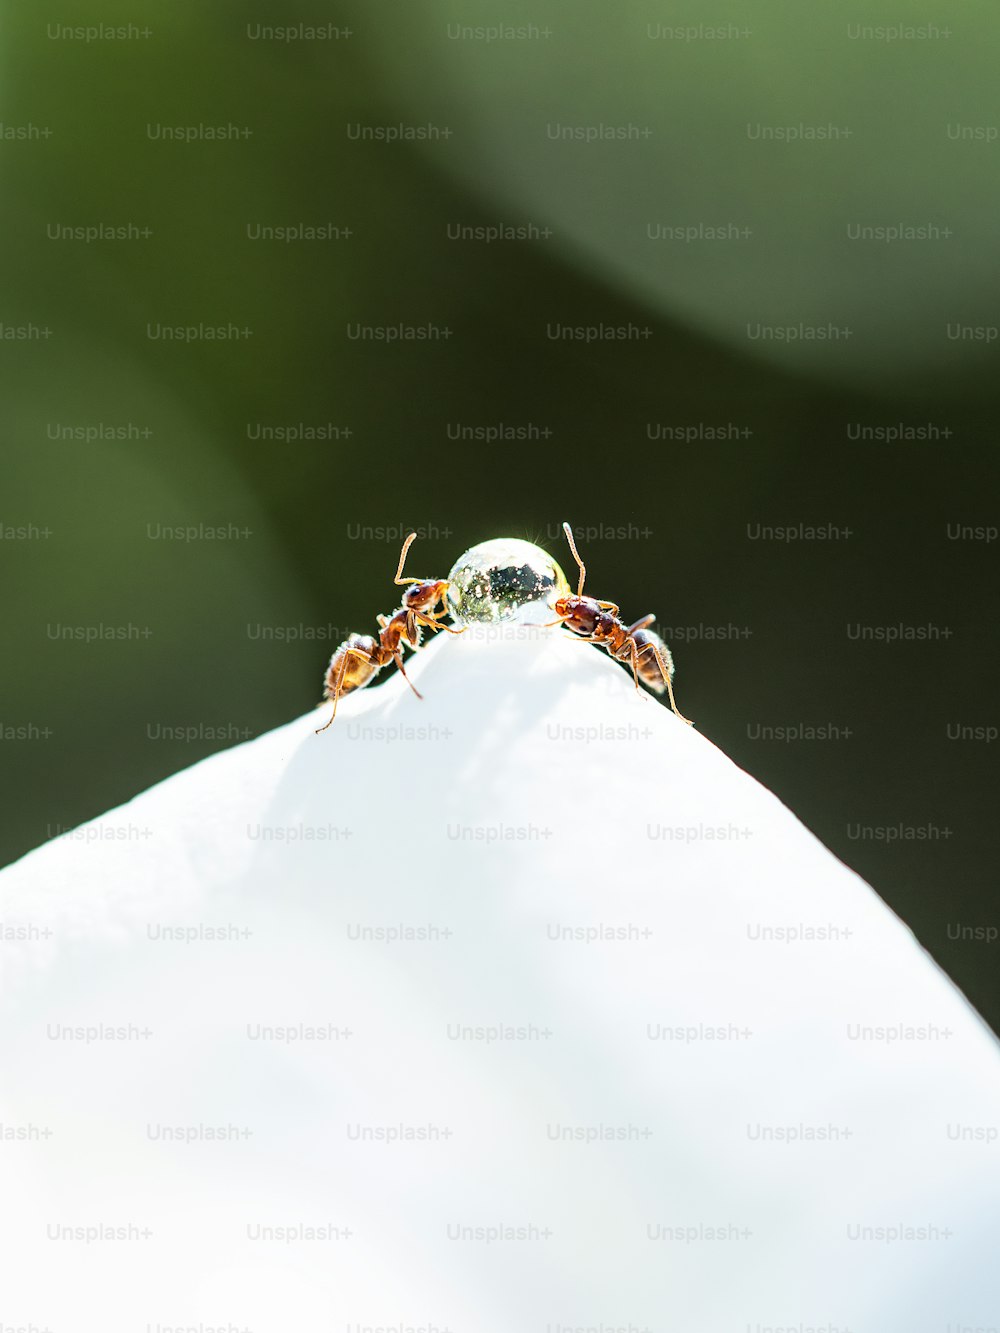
x=360 y=657
x=600 y=622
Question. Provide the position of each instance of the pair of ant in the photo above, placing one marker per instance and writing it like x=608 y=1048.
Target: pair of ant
x=357 y=660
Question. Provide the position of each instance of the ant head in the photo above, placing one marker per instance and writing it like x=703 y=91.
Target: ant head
x=425 y=596
x=579 y=614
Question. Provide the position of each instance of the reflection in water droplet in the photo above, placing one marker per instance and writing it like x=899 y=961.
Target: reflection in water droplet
x=505 y=580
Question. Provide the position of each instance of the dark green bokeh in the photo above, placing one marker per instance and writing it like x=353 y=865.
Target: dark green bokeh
x=685 y=507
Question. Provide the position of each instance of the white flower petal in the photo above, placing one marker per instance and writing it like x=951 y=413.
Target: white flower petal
x=536 y=806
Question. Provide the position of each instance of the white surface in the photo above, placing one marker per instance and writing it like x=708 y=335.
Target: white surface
x=490 y=756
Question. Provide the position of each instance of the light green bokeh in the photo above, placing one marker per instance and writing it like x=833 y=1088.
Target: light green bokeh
x=699 y=167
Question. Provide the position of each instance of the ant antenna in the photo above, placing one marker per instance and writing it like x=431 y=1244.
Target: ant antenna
x=402 y=560
x=576 y=556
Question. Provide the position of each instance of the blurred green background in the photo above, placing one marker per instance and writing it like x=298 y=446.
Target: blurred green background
x=672 y=444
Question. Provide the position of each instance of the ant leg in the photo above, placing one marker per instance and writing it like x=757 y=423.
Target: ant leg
x=633 y=658
x=583 y=638
x=429 y=619
x=414 y=620
x=336 y=694
x=339 y=685
x=670 y=688
x=399 y=663
x=641 y=624
x=402 y=560
x=599 y=643
x=435 y=623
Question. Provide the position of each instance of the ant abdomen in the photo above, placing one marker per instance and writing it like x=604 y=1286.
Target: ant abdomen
x=352 y=665
x=652 y=651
